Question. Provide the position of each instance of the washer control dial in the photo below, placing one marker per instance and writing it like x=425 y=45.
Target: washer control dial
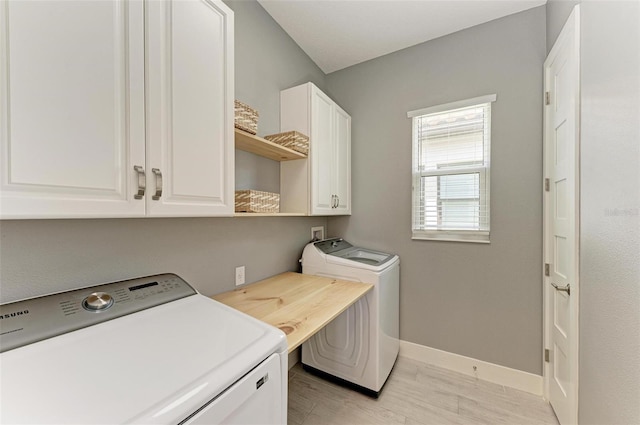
x=98 y=301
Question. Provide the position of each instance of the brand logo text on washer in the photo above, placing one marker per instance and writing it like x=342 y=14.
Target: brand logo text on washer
x=12 y=315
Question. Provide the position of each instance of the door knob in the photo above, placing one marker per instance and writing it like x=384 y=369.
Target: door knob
x=566 y=289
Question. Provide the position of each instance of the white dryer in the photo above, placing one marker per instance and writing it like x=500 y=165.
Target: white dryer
x=360 y=346
x=150 y=350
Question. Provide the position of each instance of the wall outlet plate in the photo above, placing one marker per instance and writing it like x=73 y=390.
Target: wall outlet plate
x=317 y=233
x=239 y=275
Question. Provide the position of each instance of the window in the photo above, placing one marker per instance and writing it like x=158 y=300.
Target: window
x=451 y=152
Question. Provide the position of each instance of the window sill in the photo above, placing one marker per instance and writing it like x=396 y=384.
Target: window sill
x=444 y=236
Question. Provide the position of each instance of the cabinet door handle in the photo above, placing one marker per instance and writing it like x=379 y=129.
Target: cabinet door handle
x=158 y=174
x=337 y=201
x=333 y=201
x=142 y=182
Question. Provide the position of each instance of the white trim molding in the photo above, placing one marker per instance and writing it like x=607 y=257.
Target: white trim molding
x=453 y=105
x=513 y=378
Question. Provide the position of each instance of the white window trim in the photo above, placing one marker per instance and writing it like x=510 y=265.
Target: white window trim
x=474 y=236
x=452 y=105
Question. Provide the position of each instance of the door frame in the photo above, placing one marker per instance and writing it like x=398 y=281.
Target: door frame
x=571 y=29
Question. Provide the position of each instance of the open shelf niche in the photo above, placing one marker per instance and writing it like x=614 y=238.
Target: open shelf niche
x=257 y=145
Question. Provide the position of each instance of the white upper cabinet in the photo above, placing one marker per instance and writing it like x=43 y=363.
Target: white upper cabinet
x=322 y=144
x=342 y=171
x=190 y=148
x=87 y=131
x=71 y=108
x=327 y=172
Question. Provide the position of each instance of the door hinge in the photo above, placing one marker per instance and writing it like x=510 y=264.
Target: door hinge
x=546 y=269
x=546 y=185
x=547 y=98
x=546 y=355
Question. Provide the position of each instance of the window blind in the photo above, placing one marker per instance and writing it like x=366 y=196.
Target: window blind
x=451 y=171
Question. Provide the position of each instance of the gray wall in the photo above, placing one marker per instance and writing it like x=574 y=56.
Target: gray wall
x=610 y=214
x=609 y=382
x=557 y=13
x=43 y=256
x=267 y=61
x=477 y=300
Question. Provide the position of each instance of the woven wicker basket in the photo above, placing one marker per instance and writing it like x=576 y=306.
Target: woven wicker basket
x=246 y=118
x=257 y=201
x=292 y=140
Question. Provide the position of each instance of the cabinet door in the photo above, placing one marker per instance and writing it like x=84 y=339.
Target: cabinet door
x=190 y=144
x=342 y=162
x=71 y=108
x=322 y=153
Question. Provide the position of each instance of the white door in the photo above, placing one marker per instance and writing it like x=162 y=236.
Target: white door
x=561 y=132
x=71 y=108
x=190 y=140
x=322 y=153
x=342 y=162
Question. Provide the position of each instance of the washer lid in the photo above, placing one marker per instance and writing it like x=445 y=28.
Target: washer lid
x=155 y=366
x=365 y=256
x=339 y=251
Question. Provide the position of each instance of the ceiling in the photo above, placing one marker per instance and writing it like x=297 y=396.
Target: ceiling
x=339 y=33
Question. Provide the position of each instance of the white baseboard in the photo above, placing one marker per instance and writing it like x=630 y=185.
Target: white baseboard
x=497 y=374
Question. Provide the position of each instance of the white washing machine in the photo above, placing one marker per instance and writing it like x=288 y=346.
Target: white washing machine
x=360 y=346
x=146 y=351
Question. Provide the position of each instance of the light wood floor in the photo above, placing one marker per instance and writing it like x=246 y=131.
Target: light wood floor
x=415 y=394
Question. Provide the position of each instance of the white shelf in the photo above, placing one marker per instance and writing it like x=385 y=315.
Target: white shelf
x=259 y=146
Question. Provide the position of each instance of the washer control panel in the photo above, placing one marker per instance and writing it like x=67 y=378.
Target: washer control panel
x=329 y=246
x=32 y=320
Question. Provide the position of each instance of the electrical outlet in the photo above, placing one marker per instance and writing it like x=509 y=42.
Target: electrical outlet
x=239 y=275
x=317 y=233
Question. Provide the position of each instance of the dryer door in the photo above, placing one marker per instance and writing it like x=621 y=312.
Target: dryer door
x=254 y=399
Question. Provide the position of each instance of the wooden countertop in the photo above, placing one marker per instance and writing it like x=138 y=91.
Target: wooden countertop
x=298 y=304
